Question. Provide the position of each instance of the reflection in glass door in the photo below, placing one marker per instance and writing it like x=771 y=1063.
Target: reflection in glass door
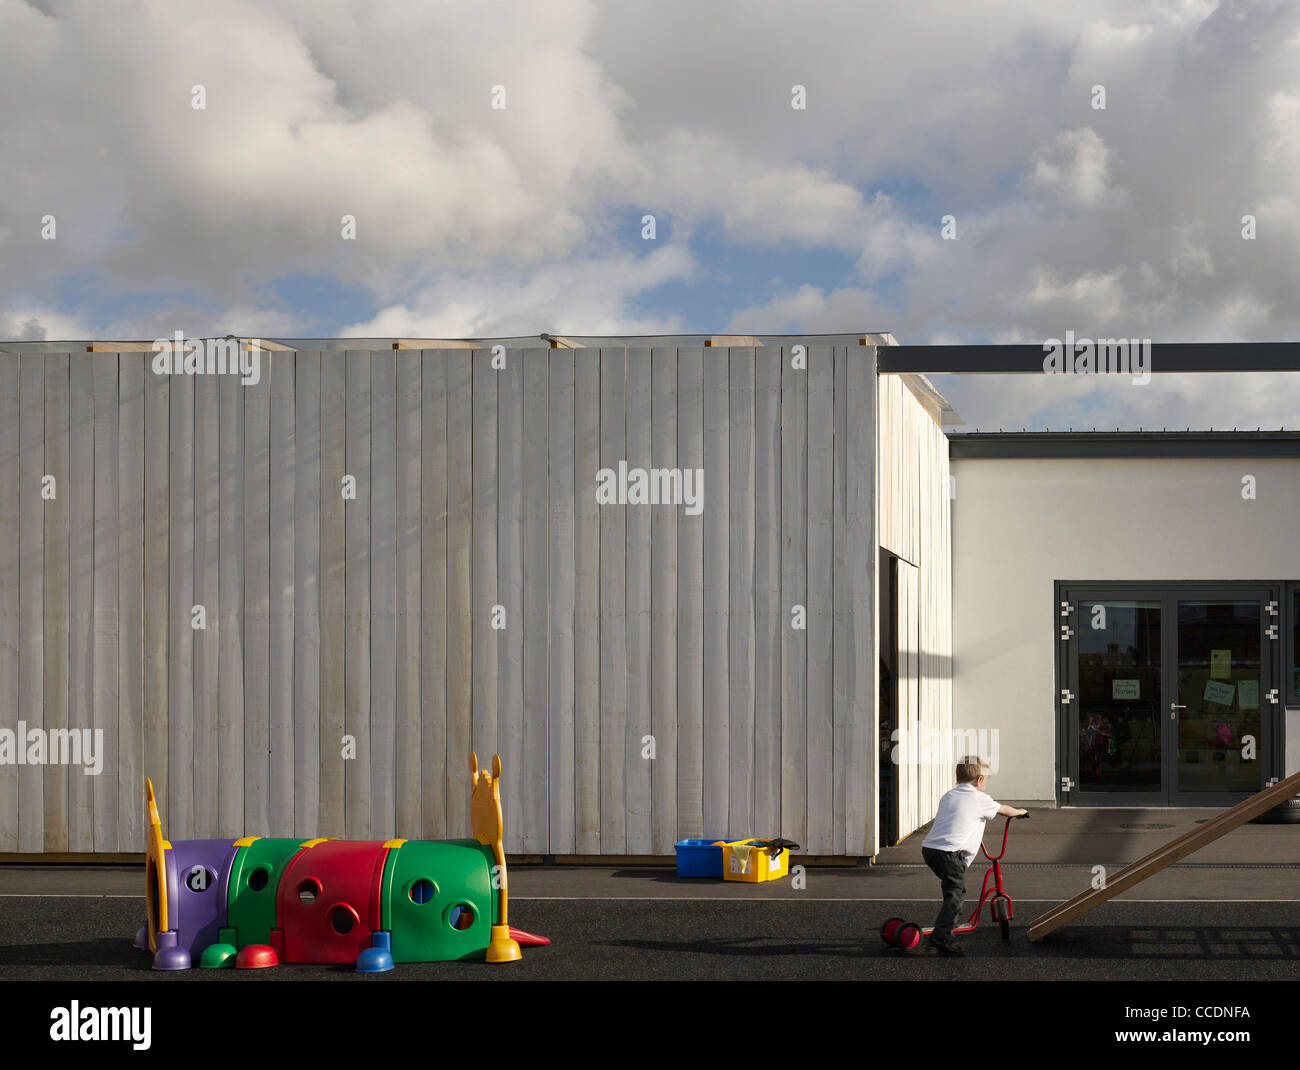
x=1119 y=723
x=1217 y=712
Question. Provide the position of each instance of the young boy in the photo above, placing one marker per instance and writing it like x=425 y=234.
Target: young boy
x=954 y=839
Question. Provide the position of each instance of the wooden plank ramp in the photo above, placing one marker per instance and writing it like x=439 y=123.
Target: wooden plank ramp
x=1164 y=856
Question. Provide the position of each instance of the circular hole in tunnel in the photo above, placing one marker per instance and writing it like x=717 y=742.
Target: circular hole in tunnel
x=341 y=919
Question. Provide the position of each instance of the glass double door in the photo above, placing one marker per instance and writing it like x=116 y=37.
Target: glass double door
x=1167 y=693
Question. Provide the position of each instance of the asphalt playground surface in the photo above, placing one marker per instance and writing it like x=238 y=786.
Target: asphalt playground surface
x=1231 y=912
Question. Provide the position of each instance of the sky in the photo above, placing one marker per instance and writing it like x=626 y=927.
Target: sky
x=945 y=170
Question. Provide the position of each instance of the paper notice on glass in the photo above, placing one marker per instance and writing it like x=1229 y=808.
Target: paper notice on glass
x=1221 y=664
x=1220 y=693
x=1124 y=689
x=1248 y=694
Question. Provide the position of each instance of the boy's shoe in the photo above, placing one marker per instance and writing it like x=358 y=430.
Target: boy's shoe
x=944 y=947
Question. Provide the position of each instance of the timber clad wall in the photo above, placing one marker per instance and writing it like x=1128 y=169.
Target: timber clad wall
x=915 y=524
x=373 y=617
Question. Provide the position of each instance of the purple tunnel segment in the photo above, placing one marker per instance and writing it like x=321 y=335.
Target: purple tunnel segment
x=197 y=875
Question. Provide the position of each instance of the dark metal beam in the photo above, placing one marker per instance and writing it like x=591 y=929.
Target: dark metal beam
x=1145 y=444
x=1164 y=357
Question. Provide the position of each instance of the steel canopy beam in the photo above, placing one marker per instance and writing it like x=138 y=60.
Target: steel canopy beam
x=1164 y=357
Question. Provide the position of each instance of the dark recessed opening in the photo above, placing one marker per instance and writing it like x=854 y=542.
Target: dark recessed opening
x=257 y=880
x=307 y=892
x=422 y=891
x=341 y=919
x=460 y=917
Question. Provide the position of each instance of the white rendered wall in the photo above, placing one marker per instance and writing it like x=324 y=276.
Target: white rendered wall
x=1020 y=525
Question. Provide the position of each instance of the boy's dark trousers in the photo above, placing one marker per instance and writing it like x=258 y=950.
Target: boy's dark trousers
x=950 y=868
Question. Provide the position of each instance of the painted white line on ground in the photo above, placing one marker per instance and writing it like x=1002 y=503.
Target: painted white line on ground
x=682 y=898
x=843 y=899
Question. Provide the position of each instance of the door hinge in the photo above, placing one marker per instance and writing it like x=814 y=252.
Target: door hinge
x=1066 y=609
x=1066 y=631
x=1271 y=695
x=1271 y=631
x=1270 y=782
x=1066 y=783
x=1272 y=609
x=1067 y=696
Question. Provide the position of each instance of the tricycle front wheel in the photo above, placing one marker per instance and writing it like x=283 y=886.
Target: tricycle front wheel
x=1002 y=914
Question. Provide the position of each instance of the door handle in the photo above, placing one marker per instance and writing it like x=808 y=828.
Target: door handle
x=1174 y=706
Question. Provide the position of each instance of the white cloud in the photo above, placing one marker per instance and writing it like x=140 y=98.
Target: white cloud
x=579 y=297
x=1075 y=167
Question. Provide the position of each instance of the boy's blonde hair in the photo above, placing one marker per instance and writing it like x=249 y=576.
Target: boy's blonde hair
x=970 y=769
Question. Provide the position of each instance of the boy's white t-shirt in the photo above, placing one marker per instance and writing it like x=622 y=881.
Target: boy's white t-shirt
x=959 y=824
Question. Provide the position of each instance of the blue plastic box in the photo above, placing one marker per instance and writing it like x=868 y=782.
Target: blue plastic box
x=700 y=858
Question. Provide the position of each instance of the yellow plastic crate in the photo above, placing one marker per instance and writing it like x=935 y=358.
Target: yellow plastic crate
x=760 y=865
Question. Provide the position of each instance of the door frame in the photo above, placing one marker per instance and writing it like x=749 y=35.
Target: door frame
x=1168 y=593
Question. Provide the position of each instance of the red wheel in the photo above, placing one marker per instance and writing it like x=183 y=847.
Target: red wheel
x=909 y=935
x=889 y=931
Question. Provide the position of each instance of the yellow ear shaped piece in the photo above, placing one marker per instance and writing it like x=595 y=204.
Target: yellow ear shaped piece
x=155 y=869
x=485 y=803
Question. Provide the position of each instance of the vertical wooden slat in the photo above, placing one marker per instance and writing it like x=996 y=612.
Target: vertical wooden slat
x=356 y=584
x=461 y=609
x=613 y=609
x=944 y=566
x=104 y=643
x=31 y=596
x=383 y=593
x=665 y=620
x=562 y=771
x=717 y=607
x=821 y=492
x=179 y=817
x=839 y=592
x=861 y=788
x=130 y=584
x=55 y=644
x=771 y=620
x=333 y=603
x=885 y=470
x=509 y=641
x=207 y=640
x=280 y=800
x=587 y=593
x=638 y=770
x=485 y=594
x=257 y=604
x=10 y=568
x=690 y=598
x=908 y=719
x=434 y=683
x=531 y=815
x=795 y=522
x=307 y=751
x=741 y=594
x=409 y=576
x=230 y=651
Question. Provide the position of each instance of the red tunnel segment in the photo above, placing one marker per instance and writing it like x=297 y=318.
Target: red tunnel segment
x=327 y=905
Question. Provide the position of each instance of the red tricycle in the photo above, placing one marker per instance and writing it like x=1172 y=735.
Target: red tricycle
x=905 y=935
